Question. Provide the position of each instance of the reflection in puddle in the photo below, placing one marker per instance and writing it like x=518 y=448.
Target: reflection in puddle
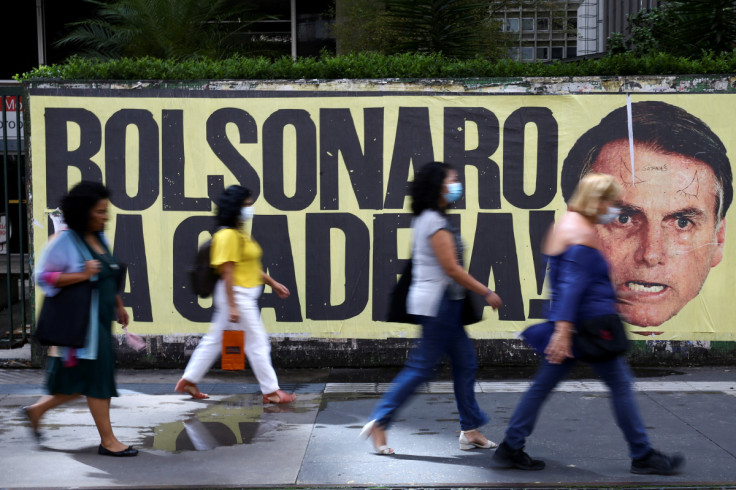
x=235 y=420
x=207 y=435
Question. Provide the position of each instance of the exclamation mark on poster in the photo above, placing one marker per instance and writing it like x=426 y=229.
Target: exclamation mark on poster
x=539 y=223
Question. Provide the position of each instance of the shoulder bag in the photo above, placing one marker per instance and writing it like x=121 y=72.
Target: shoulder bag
x=397 y=299
x=64 y=317
x=599 y=339
x=473 y=303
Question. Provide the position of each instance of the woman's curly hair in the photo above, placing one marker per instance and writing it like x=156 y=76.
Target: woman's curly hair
x=426 y=188
x=77 y=204
x=229 y=205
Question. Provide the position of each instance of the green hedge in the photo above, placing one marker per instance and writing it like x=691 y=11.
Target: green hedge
x=374 y=66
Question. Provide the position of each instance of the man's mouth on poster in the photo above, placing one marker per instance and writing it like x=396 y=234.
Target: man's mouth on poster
x=645 y=304
x=646 y=288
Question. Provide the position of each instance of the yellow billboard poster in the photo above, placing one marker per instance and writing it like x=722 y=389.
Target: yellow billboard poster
x=329 y=173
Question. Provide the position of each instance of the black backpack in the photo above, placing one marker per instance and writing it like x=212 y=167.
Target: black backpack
x=202 y=276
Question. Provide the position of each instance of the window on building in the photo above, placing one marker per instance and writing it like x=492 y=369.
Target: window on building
x=543 y=53
x=527 y=24
x=543 y=23
x=572 y=24
x=511 y=25
x=513 y=53
x=557 y=52
x=572 y=51
x=527 y=54
x=558 y=23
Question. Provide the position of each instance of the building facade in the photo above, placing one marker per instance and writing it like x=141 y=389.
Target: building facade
x=566 y=29
x=542 y=34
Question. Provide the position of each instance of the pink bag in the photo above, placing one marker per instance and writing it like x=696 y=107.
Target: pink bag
x=134 y=341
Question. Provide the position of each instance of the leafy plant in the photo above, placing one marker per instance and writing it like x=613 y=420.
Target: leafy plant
x=371 y=65
x=462 y=29
x=684 y=28
x=455 y=28
x=167 y=29
x=706 y=25
x=360 y=26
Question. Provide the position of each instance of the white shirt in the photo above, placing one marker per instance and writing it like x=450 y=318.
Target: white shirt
x=429 y=280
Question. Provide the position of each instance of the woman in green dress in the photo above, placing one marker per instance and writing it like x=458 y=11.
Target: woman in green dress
x=80 y=253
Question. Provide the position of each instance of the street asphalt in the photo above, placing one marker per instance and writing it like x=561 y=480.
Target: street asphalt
x=233 y=441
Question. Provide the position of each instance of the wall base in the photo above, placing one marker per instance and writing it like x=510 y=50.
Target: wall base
x=164 y=352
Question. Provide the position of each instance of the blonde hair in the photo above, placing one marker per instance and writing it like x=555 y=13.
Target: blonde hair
x=591 y=190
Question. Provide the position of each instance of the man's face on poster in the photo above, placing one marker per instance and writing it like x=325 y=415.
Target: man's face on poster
x=667 y=237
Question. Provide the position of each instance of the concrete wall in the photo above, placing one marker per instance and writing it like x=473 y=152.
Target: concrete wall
x=356 y=353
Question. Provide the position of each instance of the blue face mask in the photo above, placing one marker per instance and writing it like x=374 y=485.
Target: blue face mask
x=454 y=191
x=246 y=213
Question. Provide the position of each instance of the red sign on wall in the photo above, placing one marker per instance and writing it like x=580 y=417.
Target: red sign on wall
x=9 y=118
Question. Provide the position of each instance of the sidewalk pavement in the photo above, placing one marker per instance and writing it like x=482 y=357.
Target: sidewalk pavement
x=232 y=440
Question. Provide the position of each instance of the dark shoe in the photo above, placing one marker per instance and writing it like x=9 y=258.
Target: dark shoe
x=129 y=451
x=656 y=463
x=36 y=432
x=516 y=458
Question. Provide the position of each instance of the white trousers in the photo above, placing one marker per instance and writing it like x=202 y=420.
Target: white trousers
x=257 y=344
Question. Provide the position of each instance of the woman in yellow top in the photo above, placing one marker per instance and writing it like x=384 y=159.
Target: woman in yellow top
x=237 y=258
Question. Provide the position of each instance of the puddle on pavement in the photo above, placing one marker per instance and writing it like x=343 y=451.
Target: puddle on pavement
x=234 y=420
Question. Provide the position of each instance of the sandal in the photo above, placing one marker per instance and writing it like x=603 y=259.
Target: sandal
x=184 y=386
x=367 y=431
x=384 y=450
x=278 y=397
x=467 y=445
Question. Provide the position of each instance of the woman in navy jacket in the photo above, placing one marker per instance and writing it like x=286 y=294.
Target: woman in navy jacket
x=582 y=292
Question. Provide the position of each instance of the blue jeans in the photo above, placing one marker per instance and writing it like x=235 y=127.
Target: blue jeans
x=443 y=334
x=615 y=373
